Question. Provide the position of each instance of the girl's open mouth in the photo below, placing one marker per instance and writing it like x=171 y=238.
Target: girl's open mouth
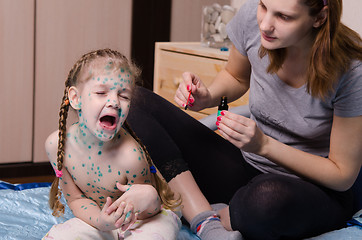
x=108 y=122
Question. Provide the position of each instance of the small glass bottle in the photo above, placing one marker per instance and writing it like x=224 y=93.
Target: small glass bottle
x=223 y=105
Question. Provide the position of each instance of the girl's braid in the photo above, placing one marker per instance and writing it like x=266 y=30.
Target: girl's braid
x=55 y=193
x=164 y=191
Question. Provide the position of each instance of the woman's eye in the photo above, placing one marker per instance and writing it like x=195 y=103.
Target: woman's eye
x=284 y=17
x=100 y=93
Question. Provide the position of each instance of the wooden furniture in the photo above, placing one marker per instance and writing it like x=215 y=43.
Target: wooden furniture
x=38 y=48
x=174 y=58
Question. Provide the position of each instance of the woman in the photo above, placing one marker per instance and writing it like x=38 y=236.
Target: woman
x=301 y=148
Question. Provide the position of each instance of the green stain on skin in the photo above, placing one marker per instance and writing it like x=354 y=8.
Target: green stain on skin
x=128 y=214
x=100 y=153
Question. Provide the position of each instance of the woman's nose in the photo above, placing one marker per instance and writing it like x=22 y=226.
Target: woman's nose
x=267 y=23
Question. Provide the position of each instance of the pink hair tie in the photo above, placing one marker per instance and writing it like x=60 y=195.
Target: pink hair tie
x=325 y=2
x=58 y=173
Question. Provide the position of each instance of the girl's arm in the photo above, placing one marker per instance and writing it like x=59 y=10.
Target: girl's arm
x=339 y=171
x=139 y=192
x=140 y=199
x=85 y=208
x=82 y=207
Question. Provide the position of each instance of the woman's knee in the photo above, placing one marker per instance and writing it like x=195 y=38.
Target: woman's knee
x=260 y=208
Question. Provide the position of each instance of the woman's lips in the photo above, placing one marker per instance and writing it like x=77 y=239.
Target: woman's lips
x=268 y=38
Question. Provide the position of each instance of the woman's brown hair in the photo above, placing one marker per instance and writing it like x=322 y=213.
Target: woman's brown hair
x=165 y=193
x=335 y=46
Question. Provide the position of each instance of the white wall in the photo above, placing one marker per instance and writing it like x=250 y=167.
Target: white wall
x=352 y=16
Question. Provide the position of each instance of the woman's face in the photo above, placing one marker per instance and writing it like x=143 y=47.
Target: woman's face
x=284 y=23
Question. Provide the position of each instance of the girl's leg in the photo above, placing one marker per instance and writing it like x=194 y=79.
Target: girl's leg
x=280 y=207
x=165 y=225
x=75 y=228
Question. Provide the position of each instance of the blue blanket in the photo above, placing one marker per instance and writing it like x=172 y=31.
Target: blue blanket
x=24 y=214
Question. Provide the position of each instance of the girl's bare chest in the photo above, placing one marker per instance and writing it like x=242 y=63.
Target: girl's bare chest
x=95 y=175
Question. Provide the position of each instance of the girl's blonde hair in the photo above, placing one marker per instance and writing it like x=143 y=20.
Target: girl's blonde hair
x=335 y=46
x=165 y=193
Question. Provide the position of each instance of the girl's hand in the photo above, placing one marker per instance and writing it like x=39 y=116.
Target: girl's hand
x=108 y=221
x=200 y=95
x=242 y=132
x=139 y=200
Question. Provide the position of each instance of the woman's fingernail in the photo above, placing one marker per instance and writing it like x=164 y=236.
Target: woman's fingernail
x=218 y=118
x=192 y=100
x=217 y=123
x=188 y=87
x=222 y=113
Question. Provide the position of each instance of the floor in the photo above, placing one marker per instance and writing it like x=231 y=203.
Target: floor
x=47 y=178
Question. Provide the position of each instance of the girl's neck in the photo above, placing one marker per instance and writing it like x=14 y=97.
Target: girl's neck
x=87 y=140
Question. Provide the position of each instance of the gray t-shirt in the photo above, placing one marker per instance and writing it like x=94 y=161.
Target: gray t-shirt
x=290 y=115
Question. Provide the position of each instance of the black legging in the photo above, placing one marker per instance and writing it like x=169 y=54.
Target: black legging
x=262 y=206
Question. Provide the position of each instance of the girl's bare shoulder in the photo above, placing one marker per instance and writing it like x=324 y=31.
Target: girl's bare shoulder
x=131 y=153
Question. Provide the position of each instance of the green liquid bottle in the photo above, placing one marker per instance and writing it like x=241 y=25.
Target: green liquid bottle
x=223 y=105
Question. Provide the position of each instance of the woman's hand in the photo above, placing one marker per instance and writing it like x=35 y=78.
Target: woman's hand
x=200 y=95
x=242 y=132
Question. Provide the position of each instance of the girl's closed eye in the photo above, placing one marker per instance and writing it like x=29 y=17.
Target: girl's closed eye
x=100 y=92
x=123 y=96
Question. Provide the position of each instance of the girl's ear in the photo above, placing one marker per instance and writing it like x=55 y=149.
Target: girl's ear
x=74 y=98
x=321 y=17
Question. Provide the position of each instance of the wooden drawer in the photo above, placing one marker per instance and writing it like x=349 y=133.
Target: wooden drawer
x=170 y=63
